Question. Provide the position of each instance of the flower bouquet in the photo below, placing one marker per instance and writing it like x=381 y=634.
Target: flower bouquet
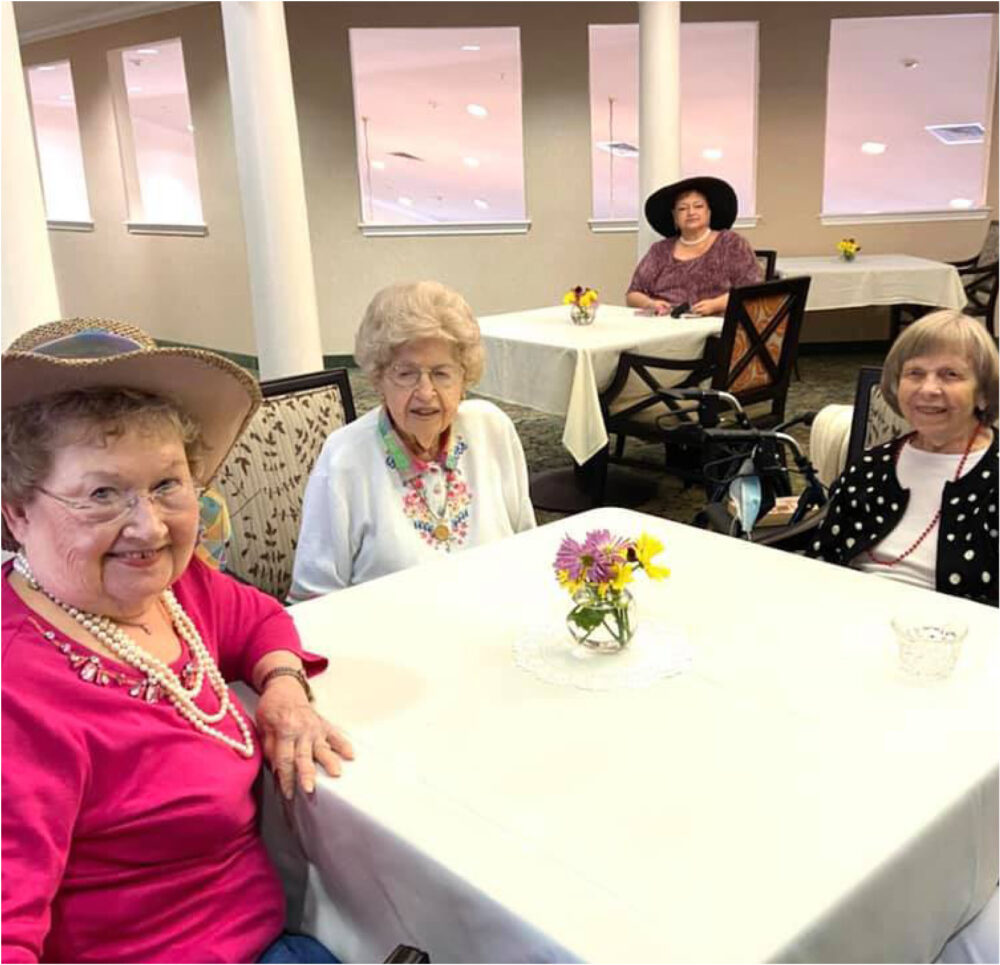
x=583 y=304
x=596 y=573
x=848 y=248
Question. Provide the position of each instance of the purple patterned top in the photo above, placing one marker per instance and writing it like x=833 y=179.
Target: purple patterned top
x=729 y=263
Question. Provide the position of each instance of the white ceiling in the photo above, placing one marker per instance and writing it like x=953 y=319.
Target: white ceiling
x=37 y=20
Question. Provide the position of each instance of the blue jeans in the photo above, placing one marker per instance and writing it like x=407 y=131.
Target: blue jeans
x=289 y=948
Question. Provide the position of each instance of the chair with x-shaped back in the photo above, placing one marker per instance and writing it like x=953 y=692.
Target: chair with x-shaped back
x=751 y=359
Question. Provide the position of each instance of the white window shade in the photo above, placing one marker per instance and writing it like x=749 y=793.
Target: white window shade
x=718 y=112
x=439 y=129
x=905 y=96
x=57 y=138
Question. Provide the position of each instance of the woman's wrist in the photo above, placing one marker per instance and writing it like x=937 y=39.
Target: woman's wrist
x=296 y=673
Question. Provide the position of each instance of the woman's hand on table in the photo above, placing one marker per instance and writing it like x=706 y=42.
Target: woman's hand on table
x=294 y=737
x=711 y=306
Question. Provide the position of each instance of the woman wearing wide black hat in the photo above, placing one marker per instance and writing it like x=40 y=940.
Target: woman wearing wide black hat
x=700 y=259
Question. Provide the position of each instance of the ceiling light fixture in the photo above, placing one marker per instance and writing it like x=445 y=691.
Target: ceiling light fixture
x=471 y=47
x=477 y=110
x=149 y=51
x=135 y=90
x=471 y=162
x=960 y=203
x=45 y=67
x=910 y=62
x=480 y=203
x=712 y=153
x=378 y=165
x=873 y=147
x=65 y=97
x=405 y=201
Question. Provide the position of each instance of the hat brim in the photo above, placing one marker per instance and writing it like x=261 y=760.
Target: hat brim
x=219 y=395
x=719 y=194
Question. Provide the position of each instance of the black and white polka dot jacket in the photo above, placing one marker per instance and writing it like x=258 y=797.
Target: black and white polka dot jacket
x=867 y=503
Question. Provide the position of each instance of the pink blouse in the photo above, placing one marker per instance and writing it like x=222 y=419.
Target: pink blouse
x=127 y=834
x=729 y=263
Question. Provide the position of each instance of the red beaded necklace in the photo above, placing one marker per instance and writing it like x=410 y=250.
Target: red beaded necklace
x=937 y=516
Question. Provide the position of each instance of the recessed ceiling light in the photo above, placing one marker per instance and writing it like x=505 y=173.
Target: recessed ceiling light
x=910 y=62
x=618 y=148
x=190 y=128
x=960 y=203
x=378 y=165
x=148 y=51
x=873 y=147
x=405 y=201
x=471 y=47
x=471 y=162
x=65 y=97
x=480 y=203
x=476 y=110
x=712 y=153
x=45 y=67
x=135 y=90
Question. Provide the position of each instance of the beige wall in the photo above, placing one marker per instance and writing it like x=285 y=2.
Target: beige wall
x=196 y=289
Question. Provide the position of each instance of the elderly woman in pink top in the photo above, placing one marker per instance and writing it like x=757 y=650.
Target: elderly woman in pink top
x=129 y=817
x=700 y=259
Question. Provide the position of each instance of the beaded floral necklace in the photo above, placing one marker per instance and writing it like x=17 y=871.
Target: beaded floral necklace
x=159 y=676
x=937 y=516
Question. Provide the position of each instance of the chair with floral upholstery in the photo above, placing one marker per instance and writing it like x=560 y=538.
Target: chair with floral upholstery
x=263 y=479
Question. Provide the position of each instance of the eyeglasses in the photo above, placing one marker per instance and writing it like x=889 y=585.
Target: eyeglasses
x=107 y=504
x=441 y=376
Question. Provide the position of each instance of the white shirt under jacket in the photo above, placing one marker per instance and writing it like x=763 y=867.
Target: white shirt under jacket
x=371 y=509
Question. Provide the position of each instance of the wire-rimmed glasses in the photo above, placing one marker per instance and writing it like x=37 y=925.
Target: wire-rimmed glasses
x=106 y=504
x=406 y=376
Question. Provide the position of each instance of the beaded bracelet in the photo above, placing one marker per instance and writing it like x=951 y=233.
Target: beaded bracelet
x=295 y=672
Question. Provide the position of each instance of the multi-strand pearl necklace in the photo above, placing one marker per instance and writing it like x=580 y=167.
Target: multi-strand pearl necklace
x=156 y=671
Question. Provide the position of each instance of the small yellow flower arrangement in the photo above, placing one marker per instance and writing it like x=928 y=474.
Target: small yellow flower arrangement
x=848 y=248
x=582 y=303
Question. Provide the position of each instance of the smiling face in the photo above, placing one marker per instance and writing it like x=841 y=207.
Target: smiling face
x=421 y=413
x=692 y=214
x=938 y=396
x=116 y=568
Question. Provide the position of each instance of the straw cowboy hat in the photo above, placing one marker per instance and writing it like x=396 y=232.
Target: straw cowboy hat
x=84 y=353
x=719 y=194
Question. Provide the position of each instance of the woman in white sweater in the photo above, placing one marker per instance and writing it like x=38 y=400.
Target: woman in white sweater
x=423 y=475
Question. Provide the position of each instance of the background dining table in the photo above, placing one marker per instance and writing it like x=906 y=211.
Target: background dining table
x=875 y=280
x=538 y=358
x=787 y=796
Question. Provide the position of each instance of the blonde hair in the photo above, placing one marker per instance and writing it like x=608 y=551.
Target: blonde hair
x=946 y=331
x=407 y=312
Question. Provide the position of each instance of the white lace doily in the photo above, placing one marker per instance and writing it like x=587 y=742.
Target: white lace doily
x=654 y=652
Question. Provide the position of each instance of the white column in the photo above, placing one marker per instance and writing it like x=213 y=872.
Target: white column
x=272 y=189
x=29 y=293
x=659 y=103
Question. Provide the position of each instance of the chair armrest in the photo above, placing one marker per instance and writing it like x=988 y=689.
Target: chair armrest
x=792 y=539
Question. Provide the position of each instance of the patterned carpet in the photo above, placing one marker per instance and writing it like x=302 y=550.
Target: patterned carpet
x=827 y=378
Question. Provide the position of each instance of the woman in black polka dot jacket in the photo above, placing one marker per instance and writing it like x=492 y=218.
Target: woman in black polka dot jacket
x=923 y=509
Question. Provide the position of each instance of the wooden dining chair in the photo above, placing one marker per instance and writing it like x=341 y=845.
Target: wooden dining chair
x=767 y=258
x=264 y=477
x=751 y=359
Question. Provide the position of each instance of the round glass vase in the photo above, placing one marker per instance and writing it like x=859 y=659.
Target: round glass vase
x=582 y=314
x=603 y=624
x=848 y=256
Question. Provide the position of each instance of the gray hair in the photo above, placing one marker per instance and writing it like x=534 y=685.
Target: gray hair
x=407 y=312
x=946 y=331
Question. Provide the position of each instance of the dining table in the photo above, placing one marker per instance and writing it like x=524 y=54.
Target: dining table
x=889 y=279
x=752 y=779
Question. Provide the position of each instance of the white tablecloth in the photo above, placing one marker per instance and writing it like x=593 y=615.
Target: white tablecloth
x=876 y=280
x=539 y=359
x=789 y=798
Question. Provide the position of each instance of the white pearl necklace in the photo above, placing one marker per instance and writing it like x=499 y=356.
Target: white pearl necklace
x=697 y=241
x=156 y=671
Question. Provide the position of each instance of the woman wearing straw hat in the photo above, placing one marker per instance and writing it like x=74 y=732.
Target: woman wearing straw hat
x=701 y=259
x=129 y=818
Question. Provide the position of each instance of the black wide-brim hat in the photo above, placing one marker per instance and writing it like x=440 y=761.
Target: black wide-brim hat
x=719 y=194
